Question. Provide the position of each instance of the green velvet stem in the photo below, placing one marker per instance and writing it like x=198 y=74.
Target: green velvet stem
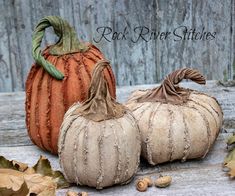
x=67 y=43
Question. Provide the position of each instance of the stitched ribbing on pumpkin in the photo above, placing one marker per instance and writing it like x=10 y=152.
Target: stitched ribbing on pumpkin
x=176 y=123
x=96 y=130
x=47 y=98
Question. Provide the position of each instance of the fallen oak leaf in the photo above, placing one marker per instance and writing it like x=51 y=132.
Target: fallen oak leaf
x=20 y=166
x=43 y=167
x=4 y=163
x=16 y=165
x=11 y=179
x=58 y=177
x=231 y=166
x=36 y=183
x=41 y=180
x=229 y=161
x=231 y=140
x=23 y=191
x=29 y=170
x=230 y=156
x=40 y=184
x=47 y=192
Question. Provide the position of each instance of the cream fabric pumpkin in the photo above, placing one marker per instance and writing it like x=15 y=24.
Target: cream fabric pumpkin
x=176 y=123
x=99 y=143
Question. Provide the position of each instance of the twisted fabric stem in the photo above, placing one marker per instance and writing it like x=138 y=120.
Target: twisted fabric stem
x=169 y=91
x=67 y=43
x=100 y=105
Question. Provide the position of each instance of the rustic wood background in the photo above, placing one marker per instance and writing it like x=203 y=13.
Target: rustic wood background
x=133 y=63
x=203 y=177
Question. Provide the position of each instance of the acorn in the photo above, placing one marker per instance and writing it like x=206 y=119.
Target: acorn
x=148 y=180
x=141 y=185
x=163 y=181
x=72 y=193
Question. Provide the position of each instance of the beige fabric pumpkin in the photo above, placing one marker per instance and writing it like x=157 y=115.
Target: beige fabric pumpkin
x=99 y=143
x=176 y=123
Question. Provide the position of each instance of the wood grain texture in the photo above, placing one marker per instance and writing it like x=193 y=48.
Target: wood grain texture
x=12 y=112
x=197 y=177
x=133 y=63
x=193 y=177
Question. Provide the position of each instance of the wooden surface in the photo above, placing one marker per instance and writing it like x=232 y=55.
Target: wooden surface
x=194 y=177
x=133 y=63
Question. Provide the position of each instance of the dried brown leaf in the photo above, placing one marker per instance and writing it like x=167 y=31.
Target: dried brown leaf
x=231 y=140
x=11 y=179
x=22 y=191
x=229 y=161
x=47 y=192
x=16 y=165
x=29 y=170
x=20 y=166
x=40 y=184
x=230 y=156
x=4 y=163
x=17 y=178
x=43 y=167
x=231 y=166
x=36 y=183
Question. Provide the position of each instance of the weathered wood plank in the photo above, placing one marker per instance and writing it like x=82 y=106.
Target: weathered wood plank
x=232 y=57
x=195 y=177
x=12 y=114
x=5 y=64
x=133 y=63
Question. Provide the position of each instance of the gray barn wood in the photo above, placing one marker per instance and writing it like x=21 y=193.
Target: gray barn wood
x=194 y=177
x=133 y=63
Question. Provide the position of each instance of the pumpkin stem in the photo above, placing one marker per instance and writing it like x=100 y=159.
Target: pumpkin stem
x=100 y=105
x=169 y=91
x=67 y=43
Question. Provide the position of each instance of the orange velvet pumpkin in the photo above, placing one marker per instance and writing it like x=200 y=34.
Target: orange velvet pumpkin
x=60 y=77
